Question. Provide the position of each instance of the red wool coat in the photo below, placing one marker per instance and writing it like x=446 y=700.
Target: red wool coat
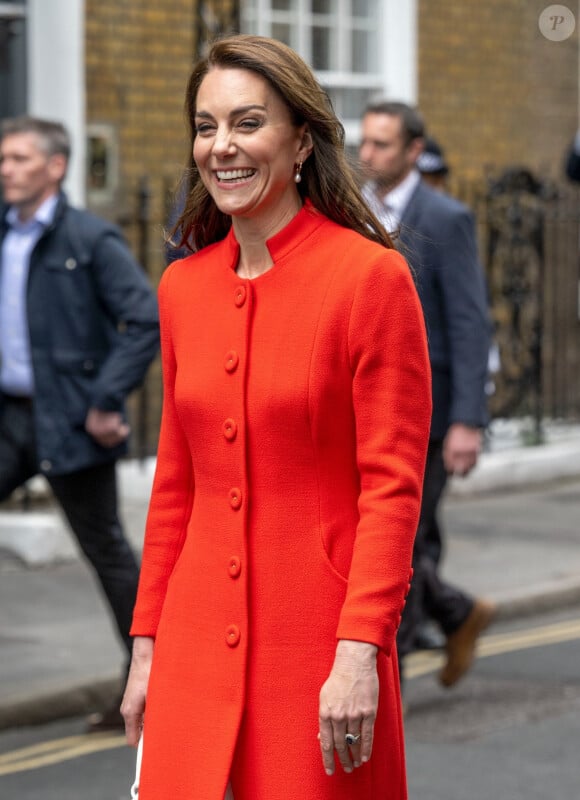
x=290 y=463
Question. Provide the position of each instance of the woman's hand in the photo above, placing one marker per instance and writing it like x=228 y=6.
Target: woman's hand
x=133 y=705
x=348 y=704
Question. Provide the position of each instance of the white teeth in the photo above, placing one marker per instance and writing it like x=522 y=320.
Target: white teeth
x=234 y=174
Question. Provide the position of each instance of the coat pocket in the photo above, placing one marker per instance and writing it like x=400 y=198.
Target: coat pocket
x=76 y=373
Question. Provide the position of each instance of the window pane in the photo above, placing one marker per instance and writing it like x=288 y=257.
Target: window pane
x=12 y=67
x=352 y=102
x=321 y=6
x=251 y=26
x=361 y=8
x=364 y=51
x=321 y=55
x=283 y=32
x=335 y=100
x=282 y=5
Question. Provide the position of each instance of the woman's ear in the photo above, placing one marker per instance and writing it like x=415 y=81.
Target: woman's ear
x=306 y=144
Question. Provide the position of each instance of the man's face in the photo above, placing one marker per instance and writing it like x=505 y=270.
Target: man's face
x=27 y=174
x=383 y=154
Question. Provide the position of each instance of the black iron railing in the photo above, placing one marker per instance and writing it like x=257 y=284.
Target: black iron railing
x=529 y=235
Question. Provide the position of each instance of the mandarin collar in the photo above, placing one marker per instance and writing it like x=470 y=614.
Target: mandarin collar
x=305 y=222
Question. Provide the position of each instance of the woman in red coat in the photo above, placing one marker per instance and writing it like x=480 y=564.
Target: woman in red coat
x=295 y=423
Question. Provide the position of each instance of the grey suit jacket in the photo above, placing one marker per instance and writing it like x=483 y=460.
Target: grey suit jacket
x=438 y=239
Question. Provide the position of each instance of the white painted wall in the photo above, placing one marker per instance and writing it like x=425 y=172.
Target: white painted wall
x=56 y=76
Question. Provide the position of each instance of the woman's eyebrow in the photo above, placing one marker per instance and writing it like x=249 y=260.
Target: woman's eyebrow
x=234 y=112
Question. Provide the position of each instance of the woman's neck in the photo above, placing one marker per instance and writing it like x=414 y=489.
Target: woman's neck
x=255 y=259
x=252 y=235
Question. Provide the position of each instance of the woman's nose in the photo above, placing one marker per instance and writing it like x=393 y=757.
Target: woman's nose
x=223 y=142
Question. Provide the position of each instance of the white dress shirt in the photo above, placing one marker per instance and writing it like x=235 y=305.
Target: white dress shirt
x=389 y=208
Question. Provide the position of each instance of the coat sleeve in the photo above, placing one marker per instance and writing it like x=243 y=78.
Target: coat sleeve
x=128 y=300
x=392 y=404
x=466 y=318
x=172 y=494
x=572 y=165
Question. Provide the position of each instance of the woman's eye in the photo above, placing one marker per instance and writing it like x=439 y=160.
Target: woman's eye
x=203 y=128
x=249 y=124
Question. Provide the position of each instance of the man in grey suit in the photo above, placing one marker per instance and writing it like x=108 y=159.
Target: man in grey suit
x=437 y=236
x=572 y=165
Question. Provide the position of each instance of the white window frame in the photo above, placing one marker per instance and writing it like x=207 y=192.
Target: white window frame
x=56 y=76
x=396 y=76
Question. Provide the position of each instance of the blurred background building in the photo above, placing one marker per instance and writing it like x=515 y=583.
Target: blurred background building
x=500 y=96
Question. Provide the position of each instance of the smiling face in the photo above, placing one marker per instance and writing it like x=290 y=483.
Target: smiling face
x=246 y=148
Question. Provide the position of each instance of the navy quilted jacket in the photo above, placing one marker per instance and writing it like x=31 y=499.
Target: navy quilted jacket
x=94 y=330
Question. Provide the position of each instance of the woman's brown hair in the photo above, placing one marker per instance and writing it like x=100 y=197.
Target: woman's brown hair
x=327 y=178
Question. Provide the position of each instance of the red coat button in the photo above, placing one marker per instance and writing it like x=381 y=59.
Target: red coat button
x=235 y=496
x=240 y=295
x=230 y=429
x=231 y=361
x=234 y=567
x=233 y=635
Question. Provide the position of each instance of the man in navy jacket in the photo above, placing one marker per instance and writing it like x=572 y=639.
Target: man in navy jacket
x=437 y=236
x=78 y=330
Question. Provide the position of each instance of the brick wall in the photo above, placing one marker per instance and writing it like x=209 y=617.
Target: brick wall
x=138 y=57
x=493 y=89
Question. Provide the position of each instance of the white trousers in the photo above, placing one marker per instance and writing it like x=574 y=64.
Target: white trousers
x=229 y=795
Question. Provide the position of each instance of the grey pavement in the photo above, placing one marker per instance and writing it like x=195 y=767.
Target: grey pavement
x=58 y=652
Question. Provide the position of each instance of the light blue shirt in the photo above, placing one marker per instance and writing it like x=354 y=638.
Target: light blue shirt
x=16 y=376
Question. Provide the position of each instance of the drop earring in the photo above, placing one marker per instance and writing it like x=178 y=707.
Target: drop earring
x=297 y=175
